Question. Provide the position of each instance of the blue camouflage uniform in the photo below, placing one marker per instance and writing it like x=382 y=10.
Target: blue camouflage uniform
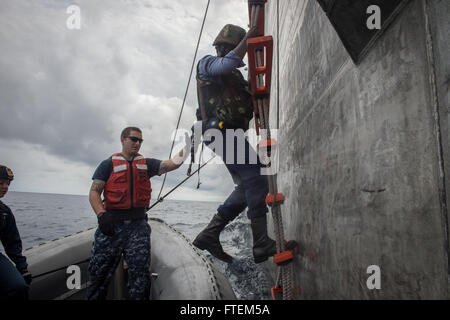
x=12 y=284
x=131 y=238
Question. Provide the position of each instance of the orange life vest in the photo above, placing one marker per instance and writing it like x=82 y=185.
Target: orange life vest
x=128 y=186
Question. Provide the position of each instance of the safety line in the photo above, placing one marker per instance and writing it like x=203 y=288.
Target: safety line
x=185 y=179
x=278 y=64
x=186 y=92
x=285 y=276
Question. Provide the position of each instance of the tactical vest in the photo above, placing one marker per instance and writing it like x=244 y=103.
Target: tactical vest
x=230 y=102
x=128 y=186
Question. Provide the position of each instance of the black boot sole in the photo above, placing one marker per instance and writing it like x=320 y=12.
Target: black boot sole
x=268 y=254
x=260 y=259
x=223 y=256
x=199 y=244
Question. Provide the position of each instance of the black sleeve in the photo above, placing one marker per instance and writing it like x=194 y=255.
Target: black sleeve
x=104 y=170
x=153 y=167
x=10 y=238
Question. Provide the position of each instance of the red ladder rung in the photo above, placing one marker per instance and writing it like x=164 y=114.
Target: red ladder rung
x=274 y=198
x=259 y=44
x=274 y=290
x=267 y=143
x=283 y=257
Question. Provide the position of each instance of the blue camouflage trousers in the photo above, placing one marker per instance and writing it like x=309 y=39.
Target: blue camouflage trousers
x=133 y=240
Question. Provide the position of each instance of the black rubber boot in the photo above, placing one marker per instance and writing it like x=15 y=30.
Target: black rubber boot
x=263 y=246
x=208 y=239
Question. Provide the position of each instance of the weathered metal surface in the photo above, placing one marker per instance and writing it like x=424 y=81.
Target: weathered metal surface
x=363 y=167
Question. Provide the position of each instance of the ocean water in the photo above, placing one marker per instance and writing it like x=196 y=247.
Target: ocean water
x=45 y=217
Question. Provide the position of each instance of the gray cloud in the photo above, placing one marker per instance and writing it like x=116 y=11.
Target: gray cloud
x=71 y=92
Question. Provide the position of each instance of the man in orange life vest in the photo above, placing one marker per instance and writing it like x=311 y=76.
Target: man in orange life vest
x=124 y=179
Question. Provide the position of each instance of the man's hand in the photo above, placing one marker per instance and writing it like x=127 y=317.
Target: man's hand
x=252 y=33
x=241 y=48
x=106 y=223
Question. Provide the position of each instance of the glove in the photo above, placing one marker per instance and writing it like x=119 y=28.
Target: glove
x=26 y=276
x=106 y=223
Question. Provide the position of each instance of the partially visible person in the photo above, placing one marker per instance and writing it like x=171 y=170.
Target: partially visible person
x=124 y=180
x=14 y=280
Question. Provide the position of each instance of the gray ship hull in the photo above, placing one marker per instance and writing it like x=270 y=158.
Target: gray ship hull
x=364 y=144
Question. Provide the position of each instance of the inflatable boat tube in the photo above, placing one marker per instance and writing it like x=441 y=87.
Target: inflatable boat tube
x=179 y=270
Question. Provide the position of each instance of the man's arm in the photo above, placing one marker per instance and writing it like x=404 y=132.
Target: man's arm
x=212 y=66
x=167 y=166
x=95 y=196
x=178 y=159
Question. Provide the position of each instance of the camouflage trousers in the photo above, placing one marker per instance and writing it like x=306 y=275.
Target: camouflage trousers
x=133 y=240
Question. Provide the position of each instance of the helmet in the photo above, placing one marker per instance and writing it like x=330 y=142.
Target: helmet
x=6 y=173
x=230 y=34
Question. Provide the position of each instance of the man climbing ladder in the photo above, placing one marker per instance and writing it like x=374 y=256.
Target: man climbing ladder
x=225 y=104
x=260 y=52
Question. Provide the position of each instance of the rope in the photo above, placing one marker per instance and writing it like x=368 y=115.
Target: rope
x=199 y=166
x=285 y=273
x=288 y=270
x=278 y=64
x=185 y=179
x=187 y=90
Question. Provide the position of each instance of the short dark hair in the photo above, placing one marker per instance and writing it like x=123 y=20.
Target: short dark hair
x=126 y=132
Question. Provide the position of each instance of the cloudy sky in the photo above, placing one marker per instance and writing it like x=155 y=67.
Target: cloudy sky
x=66 y=94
